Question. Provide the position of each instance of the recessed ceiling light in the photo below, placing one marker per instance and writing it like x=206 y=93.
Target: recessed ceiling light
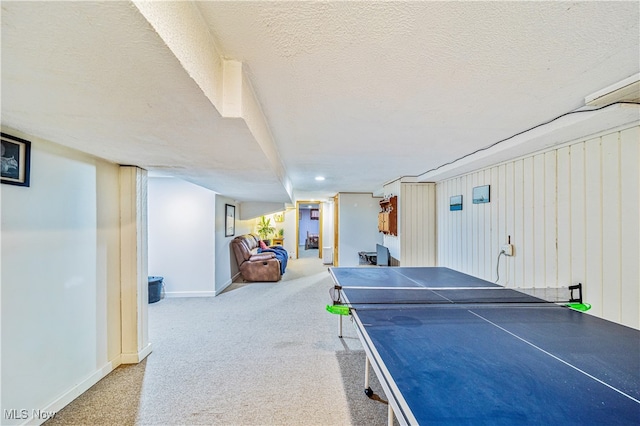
x=319 y=177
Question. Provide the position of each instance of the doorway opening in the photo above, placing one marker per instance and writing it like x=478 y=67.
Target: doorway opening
x=308 y=229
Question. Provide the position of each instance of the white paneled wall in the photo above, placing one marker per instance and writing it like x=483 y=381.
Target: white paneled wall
x=417 y=224
x=572 y=214
x=415 y=244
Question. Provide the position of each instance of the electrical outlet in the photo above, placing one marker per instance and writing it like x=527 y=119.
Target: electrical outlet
x=507 y=249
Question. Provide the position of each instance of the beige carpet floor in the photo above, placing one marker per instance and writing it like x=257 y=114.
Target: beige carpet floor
x=258 y=354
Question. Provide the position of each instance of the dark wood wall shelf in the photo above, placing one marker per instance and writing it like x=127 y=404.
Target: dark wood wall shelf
x=388 y=216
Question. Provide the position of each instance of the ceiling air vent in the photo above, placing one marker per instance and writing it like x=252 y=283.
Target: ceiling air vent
x=627 y=90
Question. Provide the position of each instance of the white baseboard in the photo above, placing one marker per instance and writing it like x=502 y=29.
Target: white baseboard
x=227 y=284
x=66 y=398
x=136 y=357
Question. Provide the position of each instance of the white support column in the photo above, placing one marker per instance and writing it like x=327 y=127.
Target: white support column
x=133 y=265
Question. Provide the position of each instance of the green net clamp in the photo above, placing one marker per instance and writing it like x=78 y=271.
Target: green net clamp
x=583 y=307
x=338 y=309
x=575 y=302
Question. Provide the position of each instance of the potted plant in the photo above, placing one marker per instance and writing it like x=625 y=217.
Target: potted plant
x=265 y=229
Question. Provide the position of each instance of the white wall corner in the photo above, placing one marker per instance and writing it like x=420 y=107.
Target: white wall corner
x=225 y=285
x=133 y=261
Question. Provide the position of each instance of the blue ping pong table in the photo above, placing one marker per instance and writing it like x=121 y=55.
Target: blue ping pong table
x=466 y=361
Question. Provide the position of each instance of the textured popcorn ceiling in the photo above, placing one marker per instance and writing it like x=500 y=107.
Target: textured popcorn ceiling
x=360 y=92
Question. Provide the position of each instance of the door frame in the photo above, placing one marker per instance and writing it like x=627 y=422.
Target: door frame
x=319 y=204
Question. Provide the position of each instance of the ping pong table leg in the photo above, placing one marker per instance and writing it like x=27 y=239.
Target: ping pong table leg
x=340 y=326
x=367 y=389
x=369 y=392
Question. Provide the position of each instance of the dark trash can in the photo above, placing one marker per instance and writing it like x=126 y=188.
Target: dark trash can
x=155 y=289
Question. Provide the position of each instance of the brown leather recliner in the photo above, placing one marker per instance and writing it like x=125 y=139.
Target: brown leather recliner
x=255 y=266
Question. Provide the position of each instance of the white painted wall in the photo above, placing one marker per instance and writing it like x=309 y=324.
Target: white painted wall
x=289 y=226
x=358 y=226
x=187 y=242
x=60 y=279
x=572 y=214
x=327 y=231
x=181 y=219
x=225 y=261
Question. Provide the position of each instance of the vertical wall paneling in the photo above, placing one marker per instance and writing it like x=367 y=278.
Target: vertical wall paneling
x=459 y=221
x=630 y=238
x=593 y=222
x=418 y=226
x=408 y=246
x=572 y=215
x=564 y=216
x=431 y=222
x=413 y=225
x=501 y=219
x=611 y=226
x=473 y=255
x=550 y=214
x=510 y=221
x=539 y=276
x=488 y=248
x=480 y=220
x=453 y=236
x=439 y=244
x=577 y=221
x=448 y=241
x=527 y=244
x=464 y=227
x=419 y=242
x=470 y=226
x=494 y=229
x=518 y=232
x=482 y=238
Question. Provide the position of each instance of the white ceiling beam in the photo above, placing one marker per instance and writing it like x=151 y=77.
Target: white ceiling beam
x=180 y=26
x=223 y=81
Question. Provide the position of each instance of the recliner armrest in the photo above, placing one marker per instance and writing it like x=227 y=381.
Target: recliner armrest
x=261 y=256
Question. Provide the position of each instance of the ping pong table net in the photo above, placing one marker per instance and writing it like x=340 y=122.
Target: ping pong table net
x=359 y=297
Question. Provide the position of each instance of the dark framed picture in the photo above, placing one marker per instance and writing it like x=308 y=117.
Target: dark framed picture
x=16 y=160
x=455 y=203
x=229 y=220
x=481 y=194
